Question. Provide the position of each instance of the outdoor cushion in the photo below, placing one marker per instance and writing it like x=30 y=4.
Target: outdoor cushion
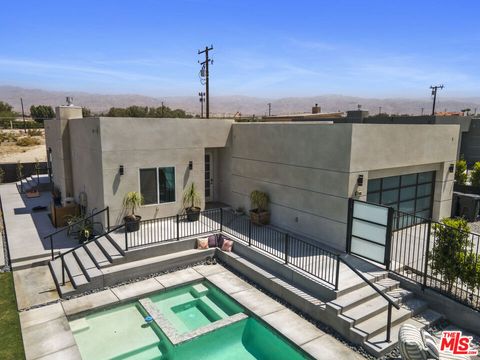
x=212 y=241
x=227 y=245
x=430 y=345
x=220 y=240
x=410 y=343
x=202 y=243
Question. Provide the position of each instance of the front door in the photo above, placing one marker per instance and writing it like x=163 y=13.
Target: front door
x=208 y=176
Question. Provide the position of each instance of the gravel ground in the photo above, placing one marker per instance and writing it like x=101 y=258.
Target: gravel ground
x=475 y=227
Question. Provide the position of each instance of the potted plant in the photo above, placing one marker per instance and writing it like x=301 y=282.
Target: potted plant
x=131 y=201
x=191 y=202
x=85 y=232
x=259 y=214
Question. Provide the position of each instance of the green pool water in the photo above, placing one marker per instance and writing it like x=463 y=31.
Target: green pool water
x=121 y=332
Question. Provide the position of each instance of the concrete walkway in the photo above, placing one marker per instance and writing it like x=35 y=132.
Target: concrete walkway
x=26 y=228
x=47 y=334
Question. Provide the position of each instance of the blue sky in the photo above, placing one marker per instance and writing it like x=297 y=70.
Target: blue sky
x=376 y=48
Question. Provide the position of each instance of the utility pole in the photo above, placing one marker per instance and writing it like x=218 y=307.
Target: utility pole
x=23 y=116
x=204 y=74
x=162 y=109
x=379 y=110
x=269 y=109
x=202 y=100
x=434 y=94
x=422 y=111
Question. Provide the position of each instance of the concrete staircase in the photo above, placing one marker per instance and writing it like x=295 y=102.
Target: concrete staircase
x=357 y=312
x=83 y=265
x=31 y=182
x=361 y=314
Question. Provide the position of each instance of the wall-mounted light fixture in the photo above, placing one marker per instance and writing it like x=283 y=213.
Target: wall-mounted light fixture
x=451 y=168
x=121 y=170
x=360 y=180
x=190 y=165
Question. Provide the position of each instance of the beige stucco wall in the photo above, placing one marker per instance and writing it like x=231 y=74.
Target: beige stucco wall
x=86 y=159
x=144 y=143
x=304 y=169
x=310 y=170
x=57 y=137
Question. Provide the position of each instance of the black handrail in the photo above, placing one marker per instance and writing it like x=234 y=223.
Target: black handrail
x=62 y=255
x=89 y=241
x=381 y=293
x=107 y=209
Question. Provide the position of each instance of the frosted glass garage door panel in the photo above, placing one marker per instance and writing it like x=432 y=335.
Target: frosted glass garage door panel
x=371 y=212
x=369 y=250
x=366 y=230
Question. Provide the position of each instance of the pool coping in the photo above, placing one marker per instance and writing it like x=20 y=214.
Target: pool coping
x=172 y=334
x=294 y=328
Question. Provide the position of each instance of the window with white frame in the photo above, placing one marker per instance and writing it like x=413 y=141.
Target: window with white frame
x=157 y=185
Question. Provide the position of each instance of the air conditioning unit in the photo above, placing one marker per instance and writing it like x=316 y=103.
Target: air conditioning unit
x=466 y=206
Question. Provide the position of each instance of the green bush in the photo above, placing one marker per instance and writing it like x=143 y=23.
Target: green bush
x=28 y=141
x=461 y=172
x=475 y=175
x=452 y=256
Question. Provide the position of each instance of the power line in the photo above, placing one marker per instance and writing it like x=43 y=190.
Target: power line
x=434 y=94
x=205 y=74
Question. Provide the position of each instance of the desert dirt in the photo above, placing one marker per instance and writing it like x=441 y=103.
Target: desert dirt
x=11 y=153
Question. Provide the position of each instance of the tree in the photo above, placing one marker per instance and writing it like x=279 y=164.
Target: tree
x=140 y=111
x=41 y=112
x=6 y=113
x=461 y=172
x=86 y=112
x=475 y=175
x=447 y=258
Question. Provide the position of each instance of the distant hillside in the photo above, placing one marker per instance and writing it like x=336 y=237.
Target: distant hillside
x=229 y=105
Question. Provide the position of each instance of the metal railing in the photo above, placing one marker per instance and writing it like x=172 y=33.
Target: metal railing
x=3 y=229
x=390 y=301
x=292 y=250
x=416 y=241
x=62 y=255
x=70 y=226
x=175 y=227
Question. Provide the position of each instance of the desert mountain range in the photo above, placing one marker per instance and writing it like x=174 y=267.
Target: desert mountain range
x=229 y=105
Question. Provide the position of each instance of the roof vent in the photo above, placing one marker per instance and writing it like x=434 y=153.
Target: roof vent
x=70 y=101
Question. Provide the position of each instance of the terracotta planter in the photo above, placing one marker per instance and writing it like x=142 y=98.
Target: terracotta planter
x=193 y=213
x=260 y=218
x=132 y=225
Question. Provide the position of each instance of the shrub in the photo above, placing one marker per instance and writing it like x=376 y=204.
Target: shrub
x=27 y=141
x=448 y=256
x=34 y=132
x=461 y=172
x=259 y=200
x=475 y=175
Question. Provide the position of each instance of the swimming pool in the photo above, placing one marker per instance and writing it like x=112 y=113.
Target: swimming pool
x=191 y=322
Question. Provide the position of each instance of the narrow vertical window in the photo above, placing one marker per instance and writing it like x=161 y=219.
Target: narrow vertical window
x=166 y=184
x=148 y=186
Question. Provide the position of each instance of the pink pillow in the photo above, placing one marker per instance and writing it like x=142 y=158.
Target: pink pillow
x=202 y=243
x=227 y=245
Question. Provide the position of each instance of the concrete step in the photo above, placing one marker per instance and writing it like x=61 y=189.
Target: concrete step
x=74 y=271
x=377 y=345
x=375 y=325
x=86 y=261
x=56 y=270
x=361 y=295
x=115 y=244
x=130 y=270
x=96 y=254
x=109 y=250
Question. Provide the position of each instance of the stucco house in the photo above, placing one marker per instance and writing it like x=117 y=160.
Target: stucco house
x=308 y=169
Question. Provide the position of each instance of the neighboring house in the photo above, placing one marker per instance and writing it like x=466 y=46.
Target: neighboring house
x=309 y=169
